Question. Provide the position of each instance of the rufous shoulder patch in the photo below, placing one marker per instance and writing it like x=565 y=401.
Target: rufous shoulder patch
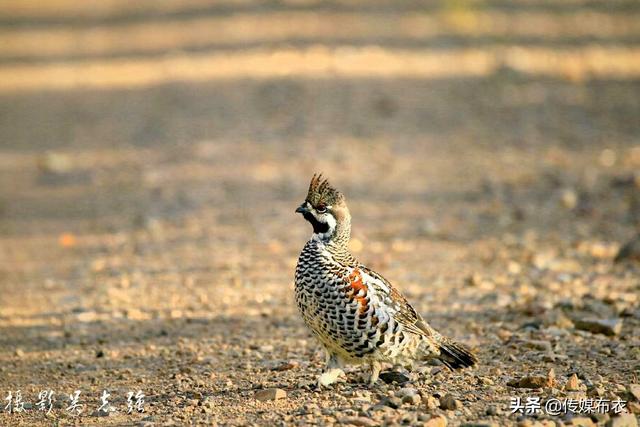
x=356 y=284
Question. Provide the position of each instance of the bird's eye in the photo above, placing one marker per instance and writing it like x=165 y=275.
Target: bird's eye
x=322 y=208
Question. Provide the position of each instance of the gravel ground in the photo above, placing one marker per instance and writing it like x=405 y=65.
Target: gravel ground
x=148 y=236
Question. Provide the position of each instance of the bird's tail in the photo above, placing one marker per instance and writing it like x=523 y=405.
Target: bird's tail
x=455 y=355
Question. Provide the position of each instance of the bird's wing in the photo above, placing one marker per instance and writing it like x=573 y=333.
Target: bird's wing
x=397 y=304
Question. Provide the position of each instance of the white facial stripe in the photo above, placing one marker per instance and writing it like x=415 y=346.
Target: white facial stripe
x=331 y=222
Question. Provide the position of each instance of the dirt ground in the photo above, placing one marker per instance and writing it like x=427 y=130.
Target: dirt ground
x=152 y=155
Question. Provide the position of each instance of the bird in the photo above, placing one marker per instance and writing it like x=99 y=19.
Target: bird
x=356 y=314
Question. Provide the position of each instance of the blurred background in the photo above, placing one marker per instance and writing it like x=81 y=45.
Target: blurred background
x=152 y=154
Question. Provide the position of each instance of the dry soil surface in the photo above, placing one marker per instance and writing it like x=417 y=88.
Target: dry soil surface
x=152 y=156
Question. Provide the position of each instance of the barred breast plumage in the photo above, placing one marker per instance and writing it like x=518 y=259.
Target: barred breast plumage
x=356 y=314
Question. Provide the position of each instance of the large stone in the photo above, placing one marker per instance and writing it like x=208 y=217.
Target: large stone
x=535 y=381
x=608 y=327
x=270 y=394
x=394 y=377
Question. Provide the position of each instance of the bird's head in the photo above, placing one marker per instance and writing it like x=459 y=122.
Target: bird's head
x=326 y=209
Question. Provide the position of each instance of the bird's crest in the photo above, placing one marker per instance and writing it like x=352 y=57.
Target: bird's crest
x=320 y=190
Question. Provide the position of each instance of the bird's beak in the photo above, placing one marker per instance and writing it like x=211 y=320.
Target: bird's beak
x=302 y=208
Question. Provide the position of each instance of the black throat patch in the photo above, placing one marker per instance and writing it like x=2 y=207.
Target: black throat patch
x=318 y=227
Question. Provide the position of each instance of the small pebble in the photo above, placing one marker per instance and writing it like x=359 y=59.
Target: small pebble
x=538 y=345
x=623 y=420
x=409 y=395
x=431 y=403
x=391 y=402
x=358 y=421
x=582 y=422
x=573 y=383
x=492 y=410
x=448 y=402
x=438 y=421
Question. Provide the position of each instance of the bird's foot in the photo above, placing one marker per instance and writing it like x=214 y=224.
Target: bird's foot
x=375 y=373
x=329 y=377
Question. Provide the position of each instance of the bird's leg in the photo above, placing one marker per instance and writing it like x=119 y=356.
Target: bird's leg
x=331 y=373
x=375 y=372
